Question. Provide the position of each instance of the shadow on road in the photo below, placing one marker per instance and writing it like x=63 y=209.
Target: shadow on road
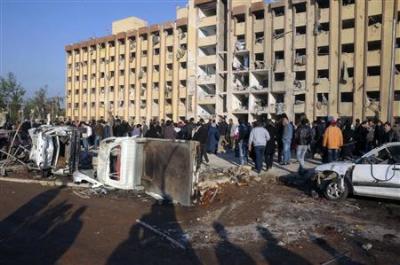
x=275 y=254
x=226 y=252
x=39 y=232
x=144 y=246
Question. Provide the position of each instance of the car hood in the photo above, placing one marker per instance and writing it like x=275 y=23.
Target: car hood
x=338 y=167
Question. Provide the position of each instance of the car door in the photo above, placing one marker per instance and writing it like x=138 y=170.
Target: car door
x=378 y=175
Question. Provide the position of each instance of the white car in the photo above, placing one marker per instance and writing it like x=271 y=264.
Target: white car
x=375 y=174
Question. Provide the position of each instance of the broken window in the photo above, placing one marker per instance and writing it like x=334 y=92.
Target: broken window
x=300 y=8
x=348 y=2
x=374 y=71
x=301 y=30
x=323 y=3
x=259 y=15
x=279 y=55
x=144 y=37
x=279 y=11
x=144 y=53
x=259 y=56
x=111 y=89
x=169 y=32
x=374 y=45
x=279 y=77
x=240 y=18
x=299 y=99
x=121 y=72
x=102 y=75
x=259 y=37
x=398 y=43
x=323 y=98
x=111 y=44
x=183 y=65
x=397 y=69
x=112 y=58
x=301 y=75
x=373 y=20
x=346 y=97
x=323 y=27
x=323 y=73
x=374 y=96
x=156 y=68
x=300 y=57
x=157 y=51
x=348 y=48
x=278 y=33
x=348 y=23
x=397 y=95
x=323 y=50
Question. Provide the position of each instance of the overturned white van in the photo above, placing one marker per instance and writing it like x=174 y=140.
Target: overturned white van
x=163 y=168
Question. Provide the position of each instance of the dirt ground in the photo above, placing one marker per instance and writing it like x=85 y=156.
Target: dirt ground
x=265 y=222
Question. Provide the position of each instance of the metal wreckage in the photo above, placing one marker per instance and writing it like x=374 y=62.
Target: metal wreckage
x=165 y=169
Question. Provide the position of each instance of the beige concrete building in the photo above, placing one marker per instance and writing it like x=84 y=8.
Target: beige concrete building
x=242 y=59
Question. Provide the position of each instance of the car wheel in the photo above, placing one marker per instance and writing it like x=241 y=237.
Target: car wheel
x=332 y=191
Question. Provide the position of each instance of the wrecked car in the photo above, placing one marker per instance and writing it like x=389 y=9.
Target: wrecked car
x=165 y=169
x=375 y=174
x=55 y=149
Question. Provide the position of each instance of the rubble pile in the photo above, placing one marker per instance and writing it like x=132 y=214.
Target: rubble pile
x=212 y=180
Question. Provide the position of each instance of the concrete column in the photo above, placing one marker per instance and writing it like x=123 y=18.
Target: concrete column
x=192 y=55
x=310 y=63
x=334 y=46
x=359 y=63
x=175 y=78
x=288 y=48
x=163 y=55
x=386 y=56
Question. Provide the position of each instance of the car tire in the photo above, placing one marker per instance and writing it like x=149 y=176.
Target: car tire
x=332 y=193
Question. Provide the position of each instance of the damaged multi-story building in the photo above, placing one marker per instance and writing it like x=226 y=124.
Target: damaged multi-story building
x=243 y=59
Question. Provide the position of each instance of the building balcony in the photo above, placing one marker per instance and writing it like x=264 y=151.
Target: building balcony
x=278 y=86
x=182 y=74
x=155 y=93
x=397 y=52
x=168 y=109
x=279 y=44
x=111 y=51
x=324 y=15
x=69 y=59
x=121 y=49
x=156 y=59
x=300 y=18
x=299 y=107
x=145 y=44
x=182 y=92
x=241 y=110
x=85 y=57
x=169 y=58
x=143 y=61
x=348 y=11
x=348 y=58
x=373 y=58
x=374 y=7
x=279 y=22
x=322 y=61
x=207 y=21
x=347 y=35
x=321 y=109
x=259 y=25
x=396 y=108
x=102 y=53
x=240 y=28
x=207 y=100
x=300 y=41
x=322 y=85
x=111 y=66
x=206 y=41
x=169 y=40
x=346 y=108
x=374 y=32
x=323 y=39
x=279 y=66
x=210 y=59
x=206 y=79
x=373 y=83
x=259 y=47
x=277 y=108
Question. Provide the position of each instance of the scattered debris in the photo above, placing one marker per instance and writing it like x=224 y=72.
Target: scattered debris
x=335 y=258
x=367 y=246
x=158 y=232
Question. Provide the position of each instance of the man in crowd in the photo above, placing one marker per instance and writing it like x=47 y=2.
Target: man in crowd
x=287 y=136
x=303 y=139
x=201 y=135
x=259 y=137
x=222 y=129
x=332 y=141
x=243 y=140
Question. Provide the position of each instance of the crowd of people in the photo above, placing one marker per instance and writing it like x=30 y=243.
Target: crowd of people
x=330 y=139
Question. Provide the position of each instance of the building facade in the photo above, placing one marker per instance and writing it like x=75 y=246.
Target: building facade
x=243 y=59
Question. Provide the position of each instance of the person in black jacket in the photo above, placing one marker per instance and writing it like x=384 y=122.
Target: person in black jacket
x=271 y=144
x=390 y=135
x=201 y=135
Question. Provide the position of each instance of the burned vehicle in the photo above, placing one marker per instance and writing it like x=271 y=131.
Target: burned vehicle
x=55 y=149
x=375 y=174
x=165 y=169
